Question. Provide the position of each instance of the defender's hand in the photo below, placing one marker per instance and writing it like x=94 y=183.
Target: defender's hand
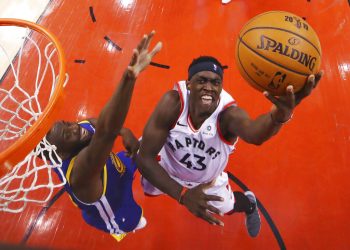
x=130 y=142
x=141 y=58
x=197 y=202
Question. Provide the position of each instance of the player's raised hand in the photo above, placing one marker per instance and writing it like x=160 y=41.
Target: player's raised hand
x=284 y=105
x=197 y=202
x=312 y=82
x=141 y=57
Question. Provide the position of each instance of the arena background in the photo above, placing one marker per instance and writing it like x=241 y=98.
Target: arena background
x=300 y=177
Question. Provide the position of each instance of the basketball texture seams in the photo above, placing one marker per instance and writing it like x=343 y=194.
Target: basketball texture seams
x=288 y=31
x=270 y=60
x=277 y=49
x=262 y=75
x=285 y=53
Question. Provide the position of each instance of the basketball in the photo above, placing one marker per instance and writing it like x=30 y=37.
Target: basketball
x=276 y=49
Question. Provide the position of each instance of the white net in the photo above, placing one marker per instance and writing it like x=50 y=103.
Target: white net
x=31 y=180
x=27 y=84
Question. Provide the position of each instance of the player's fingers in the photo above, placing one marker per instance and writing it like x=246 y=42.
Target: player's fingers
x=290 y=95
x=212 y=219
x=208 y=197
x=213 y=209
x=148 y=40
x=142 y=43
x=309 y=85
x=271 y=98
x=156 y=49
x=206 y=185
x=318 y=77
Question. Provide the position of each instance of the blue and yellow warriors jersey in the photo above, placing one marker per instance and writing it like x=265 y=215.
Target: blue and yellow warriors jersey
x=116 y=212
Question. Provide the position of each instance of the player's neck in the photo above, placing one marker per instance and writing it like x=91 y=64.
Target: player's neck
x=197 y=118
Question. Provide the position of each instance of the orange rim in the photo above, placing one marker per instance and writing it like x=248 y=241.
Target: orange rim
x=26 y=143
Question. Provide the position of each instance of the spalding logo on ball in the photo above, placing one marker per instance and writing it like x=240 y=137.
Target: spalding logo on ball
x=276 y=49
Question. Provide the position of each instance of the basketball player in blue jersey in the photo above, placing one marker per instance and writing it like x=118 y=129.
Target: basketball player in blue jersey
x=194 y=129
x=98 y=181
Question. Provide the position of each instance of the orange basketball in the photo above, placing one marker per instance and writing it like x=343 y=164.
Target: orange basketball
x=276 y=49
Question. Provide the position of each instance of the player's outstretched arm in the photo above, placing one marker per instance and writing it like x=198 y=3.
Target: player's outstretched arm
x=236 y=122
x=85 y=177
x=154 y=136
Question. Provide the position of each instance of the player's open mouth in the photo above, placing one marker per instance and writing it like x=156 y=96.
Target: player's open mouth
x=207 y=99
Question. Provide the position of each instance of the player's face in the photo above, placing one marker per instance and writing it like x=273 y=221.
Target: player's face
x=69 y=137
x=205 y=88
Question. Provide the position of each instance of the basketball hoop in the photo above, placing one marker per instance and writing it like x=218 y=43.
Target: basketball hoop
x=29 y=101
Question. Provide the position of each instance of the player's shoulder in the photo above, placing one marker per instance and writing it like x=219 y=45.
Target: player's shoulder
x=171 y=97
x=168 y=109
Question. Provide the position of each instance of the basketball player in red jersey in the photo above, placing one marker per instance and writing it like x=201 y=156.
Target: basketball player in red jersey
x=194 y=129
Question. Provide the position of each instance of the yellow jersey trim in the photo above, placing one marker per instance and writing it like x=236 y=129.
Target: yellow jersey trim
x=69 y=171
x=104 y=179
x=119 y=237
x=84 y=122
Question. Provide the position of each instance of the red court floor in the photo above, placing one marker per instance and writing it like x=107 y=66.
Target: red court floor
x=300 y=176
